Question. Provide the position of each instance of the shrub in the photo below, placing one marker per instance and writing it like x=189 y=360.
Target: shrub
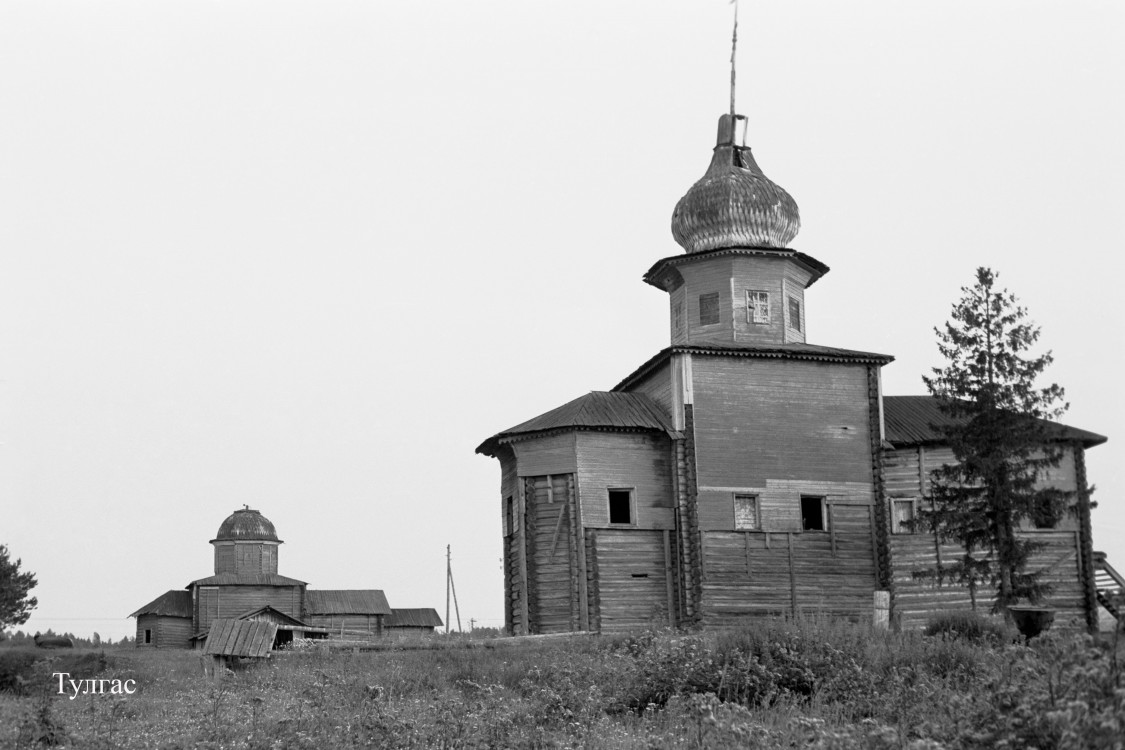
x=970 y=626
x=15 y=669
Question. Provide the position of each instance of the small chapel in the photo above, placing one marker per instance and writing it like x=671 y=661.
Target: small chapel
x=744 y=470
x=247 y=596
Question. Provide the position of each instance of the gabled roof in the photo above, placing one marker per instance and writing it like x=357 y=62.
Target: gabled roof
x=240 y=638
x=246 y=579
x=916 y=420
x=413 y=618
x=597 y=410
x=795 y=350
x=273 y=615
x=168 y=604
x=346 y=602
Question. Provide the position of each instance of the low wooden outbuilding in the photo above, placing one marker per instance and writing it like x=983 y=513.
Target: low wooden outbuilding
x=412 y=621
x=347 y=613
x=165 y=622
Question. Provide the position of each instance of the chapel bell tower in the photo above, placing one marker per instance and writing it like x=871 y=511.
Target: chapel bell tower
x=738 y=282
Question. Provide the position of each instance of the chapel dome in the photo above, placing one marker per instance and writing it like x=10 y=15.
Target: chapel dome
x=734 y=204
x=246 y=525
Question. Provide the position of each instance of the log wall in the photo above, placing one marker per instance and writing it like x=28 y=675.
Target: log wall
x=755 y=573
x=917 y=600
x=554 y=604
x=632 y=578
x=167 y=632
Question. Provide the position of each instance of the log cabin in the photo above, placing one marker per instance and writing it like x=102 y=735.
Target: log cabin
x=246 y=586
x=743 y=470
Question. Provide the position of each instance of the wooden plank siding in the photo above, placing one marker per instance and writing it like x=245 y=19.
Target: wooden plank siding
x=919 y=600
x=348 y=626
x=772 y=419
x=631 y=577
x=755 y=573
x=550 y=454
x=657 y=385
x=640 y=461
x=167 y=632
x=552 y=564
x=233 y=601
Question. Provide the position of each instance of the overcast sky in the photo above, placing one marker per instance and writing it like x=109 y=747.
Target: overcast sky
x=306 y=256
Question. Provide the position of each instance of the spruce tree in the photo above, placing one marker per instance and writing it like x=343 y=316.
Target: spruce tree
x=15 y=604
x=999 y=431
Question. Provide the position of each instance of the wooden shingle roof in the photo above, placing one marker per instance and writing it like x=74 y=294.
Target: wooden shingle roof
x=916 y=420
x=413 y=618
x=346 y=602
x=597 y=410
x=168 y=604
x=240 y=638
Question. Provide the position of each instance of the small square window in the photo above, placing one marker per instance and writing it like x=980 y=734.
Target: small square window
x=709 y=309
x=902 y=516
x=757 y=307
x=794 y=313
x=746 y=512
x=812 y=513
x=621 y=506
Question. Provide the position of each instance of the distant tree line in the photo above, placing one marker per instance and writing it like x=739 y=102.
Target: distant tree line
x=20 y=638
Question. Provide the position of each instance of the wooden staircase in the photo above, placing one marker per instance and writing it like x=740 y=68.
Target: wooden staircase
x=1109 y=583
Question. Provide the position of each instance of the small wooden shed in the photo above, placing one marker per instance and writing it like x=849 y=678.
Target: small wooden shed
x=347 y=613
x=231 y=640
x=165 y=622
x=411 y=621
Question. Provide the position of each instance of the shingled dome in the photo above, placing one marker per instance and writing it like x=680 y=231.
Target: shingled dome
x=734 y=204
x=246 y=525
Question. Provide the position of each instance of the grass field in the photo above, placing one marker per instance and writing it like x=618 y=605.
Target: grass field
x=780 y=684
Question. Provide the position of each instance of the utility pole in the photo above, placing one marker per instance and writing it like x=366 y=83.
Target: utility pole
x=450 y=589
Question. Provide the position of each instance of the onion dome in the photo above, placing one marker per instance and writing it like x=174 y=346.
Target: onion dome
x=246 y=525
x=734 y=205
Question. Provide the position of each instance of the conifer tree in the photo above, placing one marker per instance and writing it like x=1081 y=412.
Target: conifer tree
x=15 y=604
x=999 y=431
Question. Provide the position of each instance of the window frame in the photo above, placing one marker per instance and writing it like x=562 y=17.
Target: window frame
x=148 y=636
x=632 y=492
x=718 y=309
x=757 y=510
x=794 y=301
x=752 y=308
x=896 y=528
x=823 y=512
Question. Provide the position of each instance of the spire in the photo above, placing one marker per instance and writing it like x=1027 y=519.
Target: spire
x=734 y=204
x=733 y=50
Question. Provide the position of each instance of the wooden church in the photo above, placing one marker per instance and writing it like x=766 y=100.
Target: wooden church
x=247 y=587
x=742 y=470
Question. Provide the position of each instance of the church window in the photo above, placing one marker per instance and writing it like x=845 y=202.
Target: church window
x=148 y=636
x=902 y=516
x=812 y=513
x=709 y=309
x=757 y=307
x=794 y=313
x=746 y=513
x=677 y=318
x=621 y=506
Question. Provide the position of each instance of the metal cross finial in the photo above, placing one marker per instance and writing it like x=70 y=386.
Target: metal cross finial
x=733 y=49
